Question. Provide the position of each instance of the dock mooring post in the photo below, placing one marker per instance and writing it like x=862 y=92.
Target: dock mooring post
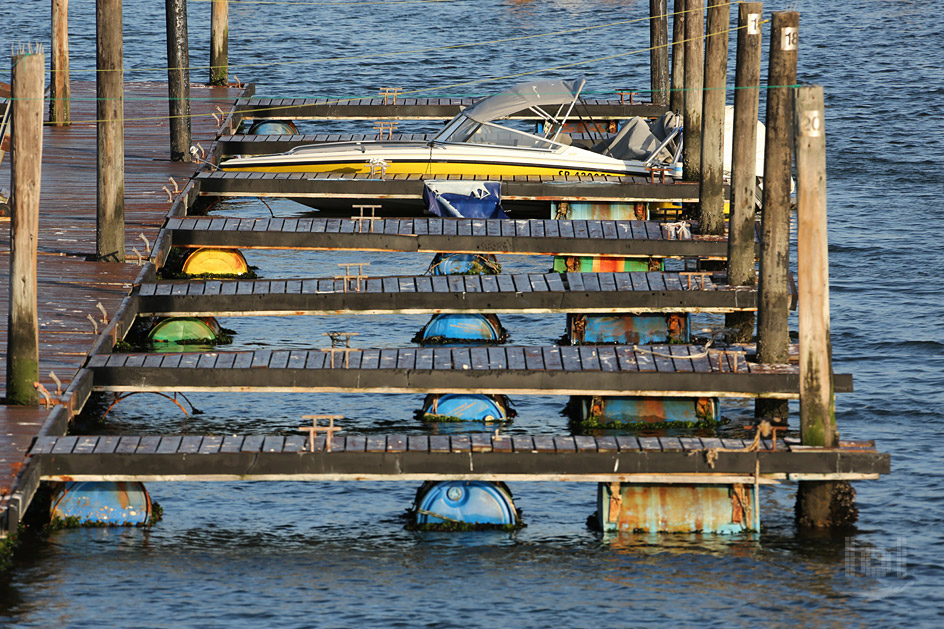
x=110 y=226
x=773 y=305
x=219 y=42
x=659 y=51
x=694 y=83
x=28 y=80
x=178 y=80
x=59 y=92
x=711 y=189
x=741 y=270
x=819 y=504
x=677 y=95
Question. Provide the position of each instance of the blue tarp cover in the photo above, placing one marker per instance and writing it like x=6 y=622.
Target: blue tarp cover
x=464 y=199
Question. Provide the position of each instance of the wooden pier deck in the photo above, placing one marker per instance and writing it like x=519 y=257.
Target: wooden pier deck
x=260 y=108
x=68 y=235
x=69 y=287
x=431 y=235
x=659 y=370
x=474 y=456
x=334 y=189
x=506 y=292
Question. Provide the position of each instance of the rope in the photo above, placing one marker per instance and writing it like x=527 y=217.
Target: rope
x=763 y=429
x=438 y=515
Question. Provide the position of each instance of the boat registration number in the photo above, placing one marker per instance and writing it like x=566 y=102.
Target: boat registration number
x=588 y=173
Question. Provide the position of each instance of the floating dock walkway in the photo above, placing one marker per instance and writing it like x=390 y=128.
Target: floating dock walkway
x=156 y=224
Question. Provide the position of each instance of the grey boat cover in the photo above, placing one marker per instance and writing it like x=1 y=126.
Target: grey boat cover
x=638 y=138
x=524 y=95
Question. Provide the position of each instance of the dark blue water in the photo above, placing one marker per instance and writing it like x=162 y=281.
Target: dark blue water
x=323 y=554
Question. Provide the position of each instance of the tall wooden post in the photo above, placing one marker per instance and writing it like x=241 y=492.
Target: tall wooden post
x=178 y=80
x=27 y=72
x=677 y=96
x=694 y=79
x=59 y=92
x=773 y=299
x=659 y=51
x=110 y=227
x=219 y=42
x=711 y=189
x=819 y=504
x=744 y=163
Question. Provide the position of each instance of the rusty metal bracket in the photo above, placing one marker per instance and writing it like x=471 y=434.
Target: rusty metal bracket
x=347 y=277
x=387 y=126
x=390 y=93
x=624 y=93
x=314 y=429
x=361 y=218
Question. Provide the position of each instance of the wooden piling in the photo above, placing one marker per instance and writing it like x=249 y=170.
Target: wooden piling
x=219 y=42
x=741 y=270
x=659 y=51
x=819 y=504
x=694 y=82
x=773 y=296
x=711 y=189
x=27 y=72
x=817 y=412
x=59 y=94
x=110 y=226
x=178 y=80
x=677 y=96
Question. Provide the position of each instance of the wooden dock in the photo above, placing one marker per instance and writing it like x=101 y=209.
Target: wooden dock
x=432 y=235
x=339 y=190
x=155 y=223
x=425 y=294
x=259 y=108
x=474 y=456
x=71 y=288
x=658 y=370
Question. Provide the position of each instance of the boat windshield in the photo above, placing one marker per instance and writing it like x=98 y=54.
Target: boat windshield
x=466 y=130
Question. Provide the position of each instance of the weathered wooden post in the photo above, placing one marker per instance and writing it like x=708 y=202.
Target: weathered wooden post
x=773 y=337
x=110 y=227
x=659 y=51
x=178 y=80
x=694 y=80
x=711 y=188
x=219 y=42
x=819 y=504
x=677 y=96
x=744 y=163
x=59 y=92
x=27 y=72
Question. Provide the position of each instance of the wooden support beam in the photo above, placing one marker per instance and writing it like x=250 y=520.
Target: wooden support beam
x=817 y=407
x=741 y=227
x=110 y=224
x=219 y=42
x=711 y=192
x=659 y=51
x=772 y=330
x=677 y=96
x=694 y=83
x=823 y=503
x=59 y=92
x=178 y=80
x=27 y=78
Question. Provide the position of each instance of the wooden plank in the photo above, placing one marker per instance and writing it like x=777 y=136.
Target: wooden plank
x=481 y=442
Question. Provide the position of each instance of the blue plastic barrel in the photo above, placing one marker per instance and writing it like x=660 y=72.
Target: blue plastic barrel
x=641 y=409
x=273 y=127
x=461 y=264
x=628 y=329
x=466 y=406
x=117 y=504
x=466 y=502
x=462 y=327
